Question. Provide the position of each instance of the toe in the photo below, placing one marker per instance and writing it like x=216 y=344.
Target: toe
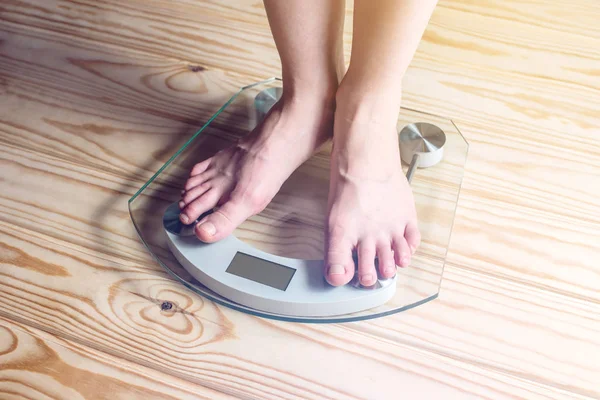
x=200 y=167
x=412 y=236
x=191 y=195
x=401 y=252
x=199 y=206
x=367 y=275
x=222 y=222
x=199 y=179
x=339 y=265
x=385 y=257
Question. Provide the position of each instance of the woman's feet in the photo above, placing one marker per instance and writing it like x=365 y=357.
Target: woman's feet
x=244 y=178
x=371 y=206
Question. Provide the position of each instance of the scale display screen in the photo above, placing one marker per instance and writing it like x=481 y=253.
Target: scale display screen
x=262 y=271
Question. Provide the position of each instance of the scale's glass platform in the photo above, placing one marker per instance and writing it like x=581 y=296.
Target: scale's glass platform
x=293 y=224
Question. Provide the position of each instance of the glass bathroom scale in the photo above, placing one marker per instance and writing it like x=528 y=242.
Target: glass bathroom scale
x=271 y=266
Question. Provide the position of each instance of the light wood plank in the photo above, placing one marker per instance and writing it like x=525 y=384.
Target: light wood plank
x=507 y=46
x=519 y=330
x=109 y=109
x=141 y=27
x=563 y=16
x=36 y=365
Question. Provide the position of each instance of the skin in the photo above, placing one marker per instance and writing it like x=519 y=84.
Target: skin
x=371 y=207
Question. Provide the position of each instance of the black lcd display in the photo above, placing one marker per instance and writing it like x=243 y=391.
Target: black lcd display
x=262 y=271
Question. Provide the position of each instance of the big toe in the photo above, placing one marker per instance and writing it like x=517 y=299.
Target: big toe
x=339 y=265
x=222 y=222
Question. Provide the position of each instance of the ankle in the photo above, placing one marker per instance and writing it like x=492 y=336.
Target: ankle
x=368 y=100
x=310 y=103
x=298 y=91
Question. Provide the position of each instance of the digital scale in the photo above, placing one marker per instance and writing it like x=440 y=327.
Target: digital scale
x=243 y=276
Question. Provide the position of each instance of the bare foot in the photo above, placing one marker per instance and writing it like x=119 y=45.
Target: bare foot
x=371 y=206
x=245 y=177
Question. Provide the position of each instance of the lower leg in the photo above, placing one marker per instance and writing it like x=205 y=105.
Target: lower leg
x=384 y=42
x=245 y=177
x=308 y=36
x=371 y=205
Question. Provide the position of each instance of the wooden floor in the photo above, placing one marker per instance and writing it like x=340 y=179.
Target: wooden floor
x=96 y=94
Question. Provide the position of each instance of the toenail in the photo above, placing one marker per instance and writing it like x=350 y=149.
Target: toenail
x=184 y=218
x=336 y=269
x=405 y=261
x=413 y=249
x=181 y=204
x=366 y=278
x=389 y=271
x=208 y=228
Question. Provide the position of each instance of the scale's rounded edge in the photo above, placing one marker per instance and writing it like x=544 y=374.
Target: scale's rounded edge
x=284 y=318
x=209 y=278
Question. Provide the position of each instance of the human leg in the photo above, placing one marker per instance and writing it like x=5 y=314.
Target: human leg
x=371 y=207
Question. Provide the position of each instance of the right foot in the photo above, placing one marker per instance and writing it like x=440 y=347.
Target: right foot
x=244 y=178
x=371 y=206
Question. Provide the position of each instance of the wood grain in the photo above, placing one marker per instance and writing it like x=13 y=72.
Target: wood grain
x=95 y=96
x=96 y=107
x=36 y=365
